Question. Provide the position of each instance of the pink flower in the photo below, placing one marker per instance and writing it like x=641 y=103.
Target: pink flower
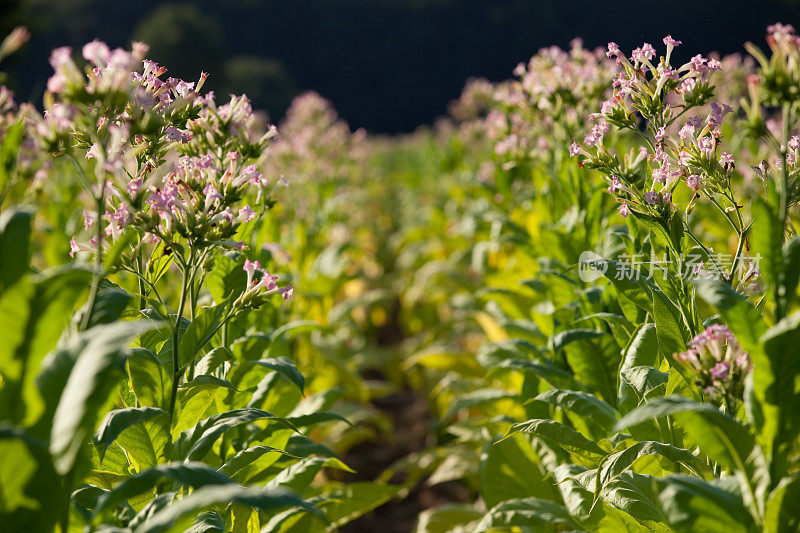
x=250 y=267
x=624 y=210
x=574 y=149
x=615 y=184
x=613 y=50
x=693 y=182
x=644 y=52
x=669 y=41
x=287 y=292
x=706 y=145
x=97 y=52
x=73 y=247
x=134 y=187
x=794 y=142
x=246 y=214
x=651 y=197
x=720 y=370
x=698 y=63
x=88 y=220
x=60 y=56
x=726 y=159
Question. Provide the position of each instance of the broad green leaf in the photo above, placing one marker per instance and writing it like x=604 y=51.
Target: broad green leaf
x=118 y=420
x=719 y=436
x=561 y=436
x=299 y=476
x=510 y=469
x=692 y=504
x=15 y=244
x=147 y=443
x=195 y=443
x=34 y=313
x=782 y=514
x=615 y=464
x=776 y=386
x=343 y=503
x=584 y=404
x=245 y=458
x=96 y=372
x=525 y=512
x=185 y=474
x=200 y=331
x=31 y=492
x=448 y=518
x=476 y=398
x=282 y=366
x=182 y=511
x=149 y=380
x=563 y=338
x=227 y=278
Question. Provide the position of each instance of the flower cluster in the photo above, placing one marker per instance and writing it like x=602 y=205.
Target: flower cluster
x=172 y=170
x=719 y=364
x=652 y=99
x=547 y=105
x=260 y=285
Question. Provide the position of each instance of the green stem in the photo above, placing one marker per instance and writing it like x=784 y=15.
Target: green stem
x=97 y=275
x=176 y=362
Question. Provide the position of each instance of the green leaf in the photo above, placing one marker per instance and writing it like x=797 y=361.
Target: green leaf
x=97 y=368
x=34 y=314
x=118 y=420
x=31 y=492
x=227 y=277
x=791 y=267
x=15 y=244
x=190 y=474
x=563 y=338
x=765 y=240
x=543 y=368
x=261 y=499
x=477 y=397
x=744 y=320
x=195 y=443
x=692 y=504
x=617 y=463
x=448 y=518
x=147 y=443
x=586 y=405
x=200 y=331
x=525 y=512
x=299 y=476
x=148 y=378
x=562 y=436
x=782 y=515
x=510 y=469
x=282 y=366
x=775 y=385
x=719 y=436
x=343 y=503
x=245 y=458
x=9 y=152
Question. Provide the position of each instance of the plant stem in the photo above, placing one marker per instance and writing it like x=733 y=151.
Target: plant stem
x=98 y=259
x=176 y=362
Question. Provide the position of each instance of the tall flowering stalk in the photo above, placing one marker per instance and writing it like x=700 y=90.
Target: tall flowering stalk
x=669 y=109
x=172 y=175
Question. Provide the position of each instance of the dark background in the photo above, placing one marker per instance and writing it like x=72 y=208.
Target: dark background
x=388 y=65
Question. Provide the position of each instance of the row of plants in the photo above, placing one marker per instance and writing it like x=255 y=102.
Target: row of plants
x=586 y=275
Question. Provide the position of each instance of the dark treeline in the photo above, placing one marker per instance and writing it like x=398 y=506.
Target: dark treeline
x=388 y=65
